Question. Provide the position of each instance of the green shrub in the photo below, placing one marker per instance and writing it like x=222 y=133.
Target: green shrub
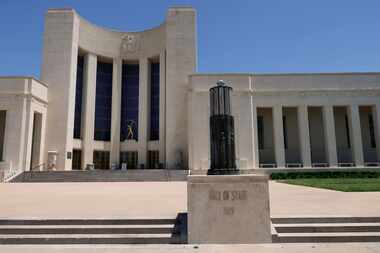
x=324 y=174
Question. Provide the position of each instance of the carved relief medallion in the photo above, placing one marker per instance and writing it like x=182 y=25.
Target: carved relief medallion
x=129 y=44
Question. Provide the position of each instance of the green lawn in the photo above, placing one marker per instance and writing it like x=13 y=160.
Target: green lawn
x=339 y=184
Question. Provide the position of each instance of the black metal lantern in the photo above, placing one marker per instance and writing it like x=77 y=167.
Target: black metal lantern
x=222 y=137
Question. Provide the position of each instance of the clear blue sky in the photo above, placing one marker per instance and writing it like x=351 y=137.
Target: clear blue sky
x=233 y=36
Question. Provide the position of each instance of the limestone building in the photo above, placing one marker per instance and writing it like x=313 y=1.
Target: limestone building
x=110 y=98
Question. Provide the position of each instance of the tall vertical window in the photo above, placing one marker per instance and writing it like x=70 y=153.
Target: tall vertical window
x=347 y=131
x=2 y=133
x=260 y=131
x=371 y=131
x=129 y=102
x=285 y=132
x=103 y=102
x=78 y=98
x=154 y=101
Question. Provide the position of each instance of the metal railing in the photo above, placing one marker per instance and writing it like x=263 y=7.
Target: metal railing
x=9 y=174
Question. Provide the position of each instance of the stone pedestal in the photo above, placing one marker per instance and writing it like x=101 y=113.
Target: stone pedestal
x=228 y=209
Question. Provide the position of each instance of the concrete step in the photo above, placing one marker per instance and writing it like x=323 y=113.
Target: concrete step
x=86 y=229
x=327 y=237
x=88 y=239
x=94 y=231
x=341 y=219
x=162 y=221
x=327 y=227
x=102 y=176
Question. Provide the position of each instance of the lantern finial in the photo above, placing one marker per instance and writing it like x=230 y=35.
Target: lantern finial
x=221 y=83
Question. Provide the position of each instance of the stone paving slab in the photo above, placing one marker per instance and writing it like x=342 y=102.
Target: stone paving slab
x=92 y=200
x=291 y=200
x=164 y=200
x=225 y=248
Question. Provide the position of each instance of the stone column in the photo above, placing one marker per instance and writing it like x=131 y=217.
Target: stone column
x=116 y=111
x=162 y=106
x=43 y=134
x=304 y=134
x=255 y=137
x=88 y=113
x=143 y=110
x=355 y=134
x=376 y=126
x=278 y=136
x=27 y=147
x=329 y=133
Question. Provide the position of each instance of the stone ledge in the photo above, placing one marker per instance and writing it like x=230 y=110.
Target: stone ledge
x=227 y=178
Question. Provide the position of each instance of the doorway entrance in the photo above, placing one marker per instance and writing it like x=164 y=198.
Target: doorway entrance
x=77 y=159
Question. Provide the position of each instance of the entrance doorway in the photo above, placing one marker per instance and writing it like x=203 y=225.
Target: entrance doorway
x=130 y=158
x=77 y=159
x=153 y=159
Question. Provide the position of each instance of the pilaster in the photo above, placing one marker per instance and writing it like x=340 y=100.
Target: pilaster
x=355 y=134
x=58 y=69
x=116 y=111
x=255 y=137
x=330 y=137
x=304 y=134
x=143 y=111
x=88 y=114
x=279 y=136
x=180 y=63
x=162 y=106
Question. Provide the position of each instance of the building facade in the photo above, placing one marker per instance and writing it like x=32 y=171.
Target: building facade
x=134 y=99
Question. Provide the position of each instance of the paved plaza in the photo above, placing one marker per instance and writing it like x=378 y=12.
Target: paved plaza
x=164 y=199
x=292 y=200
x=242 y=248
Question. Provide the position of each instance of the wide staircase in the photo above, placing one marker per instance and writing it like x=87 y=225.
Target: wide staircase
x=174 y=230
x=94 y=231
x=102 y=176
x=325 y=229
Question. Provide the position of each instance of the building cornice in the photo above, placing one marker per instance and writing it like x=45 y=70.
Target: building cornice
x=24 y=95
x=321 y=92
x=286 y=74
x=25 y=77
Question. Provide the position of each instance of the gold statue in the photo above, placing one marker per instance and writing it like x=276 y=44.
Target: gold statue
x=130 y=125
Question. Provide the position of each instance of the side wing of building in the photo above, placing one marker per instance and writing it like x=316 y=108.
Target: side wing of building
x=293 y=120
